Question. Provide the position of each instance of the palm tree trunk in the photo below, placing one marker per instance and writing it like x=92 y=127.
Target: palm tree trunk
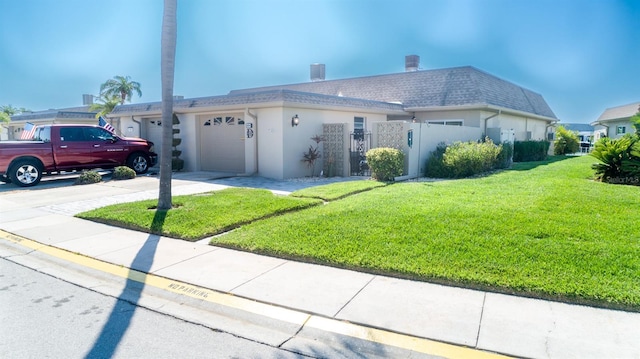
x=167 y=64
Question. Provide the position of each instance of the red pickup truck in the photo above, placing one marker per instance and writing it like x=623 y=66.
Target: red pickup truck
x=55 y=148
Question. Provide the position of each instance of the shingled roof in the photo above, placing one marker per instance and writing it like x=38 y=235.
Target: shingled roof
x=255 y=98
x=458 y=86
x=619 y=112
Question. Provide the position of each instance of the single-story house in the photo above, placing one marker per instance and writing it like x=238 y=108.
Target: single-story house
x=615 y=122
x=266 y=130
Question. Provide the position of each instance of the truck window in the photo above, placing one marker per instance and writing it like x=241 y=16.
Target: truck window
x=71 y=134
x=96 y=133
x=42 y=134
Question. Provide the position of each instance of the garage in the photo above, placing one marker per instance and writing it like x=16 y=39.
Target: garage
x=153 y=131
x=222 y=143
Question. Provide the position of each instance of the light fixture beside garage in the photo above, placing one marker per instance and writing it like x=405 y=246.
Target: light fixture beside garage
x=295 y=121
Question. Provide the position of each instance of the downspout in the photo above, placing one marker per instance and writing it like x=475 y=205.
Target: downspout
x=255 y=135
x=546 y=130
x=488 y=118
x=139 y=126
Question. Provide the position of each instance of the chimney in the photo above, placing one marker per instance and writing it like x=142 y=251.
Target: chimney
x=411 y=63
x=87 y=99
x=317 y=72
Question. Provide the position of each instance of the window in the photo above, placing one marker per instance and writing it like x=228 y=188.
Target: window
x=359 y=123
x=621 y=130
x=71 y=134
x=98 y=134
x=447 y=122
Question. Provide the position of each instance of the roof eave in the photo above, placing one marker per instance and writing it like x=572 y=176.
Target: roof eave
x=485 y=107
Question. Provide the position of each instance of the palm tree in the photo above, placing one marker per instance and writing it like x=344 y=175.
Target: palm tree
x=167 y=65
x=106 y=105
x=120 y=86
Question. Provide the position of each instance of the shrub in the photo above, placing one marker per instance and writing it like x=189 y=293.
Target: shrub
x=566 y=142
x=385 y=163
x=526 y=151
x=122 y=173
x=505 y=156
x=620 y=160
x=88 y=177
x=464 y=159
x=435 y=165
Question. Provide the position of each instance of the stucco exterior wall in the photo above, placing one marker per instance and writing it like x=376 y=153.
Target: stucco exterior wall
x=611 y=131
x=524 y=128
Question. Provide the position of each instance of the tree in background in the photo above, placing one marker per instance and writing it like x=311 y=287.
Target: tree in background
x=167 y=70
x=121 y=87
x=635 y=121
x=105 y=105
x=6 y=111
x=566 y=142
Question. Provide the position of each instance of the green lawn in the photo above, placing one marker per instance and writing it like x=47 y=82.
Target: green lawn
x=198 y=216
x=541 y=229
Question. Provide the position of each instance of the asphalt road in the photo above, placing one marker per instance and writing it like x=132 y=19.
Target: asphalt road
x=45 y=317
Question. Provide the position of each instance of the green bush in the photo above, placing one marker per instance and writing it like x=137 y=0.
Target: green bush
x=526 y=151
x=620 y=160
x=122 y=173
x=465 y=159
x=88 y=177
x=385 y=163
x=435 y=165
x=505 y=156
x=566 y=142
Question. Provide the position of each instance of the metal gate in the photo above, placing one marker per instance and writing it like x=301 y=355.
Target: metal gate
x=360 y=144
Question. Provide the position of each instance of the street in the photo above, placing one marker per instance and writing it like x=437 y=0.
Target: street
x=45 y=317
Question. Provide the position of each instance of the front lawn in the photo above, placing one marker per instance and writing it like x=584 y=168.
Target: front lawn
x=197 y=216
x=541 y=229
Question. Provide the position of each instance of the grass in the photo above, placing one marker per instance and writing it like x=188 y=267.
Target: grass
x=198 y=216
x=335 y=191
x=542 y=229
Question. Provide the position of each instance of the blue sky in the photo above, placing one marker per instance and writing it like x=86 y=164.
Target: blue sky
x=581 y=55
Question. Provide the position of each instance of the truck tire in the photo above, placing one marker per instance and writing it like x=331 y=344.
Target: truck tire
x=139 y=162
x=26 y=173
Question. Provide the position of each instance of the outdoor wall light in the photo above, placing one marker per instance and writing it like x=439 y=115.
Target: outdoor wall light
x=295 y=121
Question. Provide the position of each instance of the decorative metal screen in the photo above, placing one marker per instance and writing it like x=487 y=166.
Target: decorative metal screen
x=360 y=144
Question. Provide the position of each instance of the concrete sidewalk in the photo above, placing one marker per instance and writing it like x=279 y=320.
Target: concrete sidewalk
x=493 y=322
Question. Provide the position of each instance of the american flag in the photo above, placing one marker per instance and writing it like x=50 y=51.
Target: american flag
x=28 y=131
x=106 y=125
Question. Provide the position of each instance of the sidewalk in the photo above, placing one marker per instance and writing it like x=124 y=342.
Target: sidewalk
x=510 y=325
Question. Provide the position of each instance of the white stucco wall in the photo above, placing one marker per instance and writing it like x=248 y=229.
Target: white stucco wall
x=521 y=126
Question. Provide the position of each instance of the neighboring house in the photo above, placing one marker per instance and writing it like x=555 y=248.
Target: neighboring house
x=585 y=134
x=66 y=115
x=615 y=122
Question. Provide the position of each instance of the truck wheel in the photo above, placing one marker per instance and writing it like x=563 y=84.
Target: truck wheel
x=138 y=162
x=26 y=173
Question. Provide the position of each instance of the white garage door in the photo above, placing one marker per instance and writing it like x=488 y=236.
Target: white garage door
x=154 y=132
x=222 y=143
